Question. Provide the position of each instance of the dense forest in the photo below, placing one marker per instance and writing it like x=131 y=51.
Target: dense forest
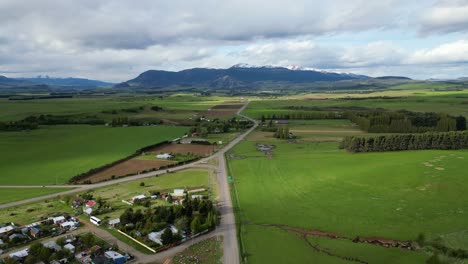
x=406 y=122
x=432 y=140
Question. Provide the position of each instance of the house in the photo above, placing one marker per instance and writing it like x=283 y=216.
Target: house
x=70 y=247
x=156 y=236
x=52 y=245
x=77 y=201
x=20 y=254
x=164 y=156
x=35 y=232
x=90 y=203
x=138 y=197
x=83 y=257
x=58 y=220
x=114 y=222
x=116 y=257
x=6 y=230
x=69 y=225
x=178 y=192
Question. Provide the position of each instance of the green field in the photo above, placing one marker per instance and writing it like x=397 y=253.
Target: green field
x=55 y=154
x=451 y=102
x=8 y=195
x=315 y=186
x=208 y=251
x=179 y=106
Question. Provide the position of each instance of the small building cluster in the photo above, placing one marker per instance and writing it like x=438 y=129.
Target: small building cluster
x=12 y=235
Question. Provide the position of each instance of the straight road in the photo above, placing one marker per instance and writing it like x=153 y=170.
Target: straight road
x=227 y=227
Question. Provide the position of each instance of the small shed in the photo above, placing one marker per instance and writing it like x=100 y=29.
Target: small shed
x=58 y=220
x=114 y=222
x=179 y=192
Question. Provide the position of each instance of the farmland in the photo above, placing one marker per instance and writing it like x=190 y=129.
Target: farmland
x=55 y=154
x=311 y=184
x=8 y=195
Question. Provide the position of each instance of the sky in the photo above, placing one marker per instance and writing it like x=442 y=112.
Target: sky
x=115 y=40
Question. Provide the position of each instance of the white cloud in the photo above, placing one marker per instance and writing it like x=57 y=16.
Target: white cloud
x=445 y=16
x=455 y=52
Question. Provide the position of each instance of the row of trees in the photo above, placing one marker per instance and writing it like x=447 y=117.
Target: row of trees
x=282 y=133
x=441 y=140
x=18 y=126
x=405 y=122
x=219 y=126
x=301 y=115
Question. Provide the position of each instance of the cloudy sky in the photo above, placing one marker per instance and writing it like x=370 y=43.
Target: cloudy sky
x=115 y=40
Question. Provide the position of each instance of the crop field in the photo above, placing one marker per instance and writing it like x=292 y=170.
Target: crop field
x=8 y=195
x=314 y=186
x=54 y=154
x=128 y=167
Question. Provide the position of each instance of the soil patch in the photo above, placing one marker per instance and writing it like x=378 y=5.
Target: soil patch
x=220 y=113
x=126 y=168
x=199 y=150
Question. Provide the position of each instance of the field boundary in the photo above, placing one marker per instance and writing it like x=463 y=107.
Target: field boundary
x=237 y=213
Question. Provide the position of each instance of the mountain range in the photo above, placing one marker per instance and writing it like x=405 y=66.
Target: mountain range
x=6 y=82
x=237 y=76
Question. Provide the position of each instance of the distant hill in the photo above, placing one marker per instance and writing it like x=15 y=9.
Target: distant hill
x=5 y=81
x=75 y=82
x=393 y=78
x=238 y=76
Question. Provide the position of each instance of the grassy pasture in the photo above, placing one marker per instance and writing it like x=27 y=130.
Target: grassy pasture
x=177 y=106
x=451 y=102
x=8 y=195
x=54 y=154
x=314 y=185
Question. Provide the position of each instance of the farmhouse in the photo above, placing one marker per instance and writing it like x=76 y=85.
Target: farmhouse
x=20 y=254
x=164 y=156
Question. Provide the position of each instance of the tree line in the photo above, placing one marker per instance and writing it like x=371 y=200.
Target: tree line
x=397 y=142
x=406 y=122
x=301 y=115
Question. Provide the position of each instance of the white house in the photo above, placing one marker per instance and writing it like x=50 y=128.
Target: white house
x=178 y=192
x=138 y=197
x=164 y=156
x=114 y=222
x=52 y=245
x=68 y=225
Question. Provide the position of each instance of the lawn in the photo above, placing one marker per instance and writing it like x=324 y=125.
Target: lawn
x=8 y=195
x=54 y=154
x=314 y=185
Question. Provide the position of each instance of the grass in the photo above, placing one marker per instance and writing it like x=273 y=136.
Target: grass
x=208 y=251
x=55 y=154
x=33 y=212
x=314 y=185
x=8 y=195
x=127 y=240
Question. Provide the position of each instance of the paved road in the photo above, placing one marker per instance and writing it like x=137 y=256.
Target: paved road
x=227 y=227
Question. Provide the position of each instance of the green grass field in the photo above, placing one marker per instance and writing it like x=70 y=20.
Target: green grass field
x=8 y=195
x=55 y=154
x=314 y=185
